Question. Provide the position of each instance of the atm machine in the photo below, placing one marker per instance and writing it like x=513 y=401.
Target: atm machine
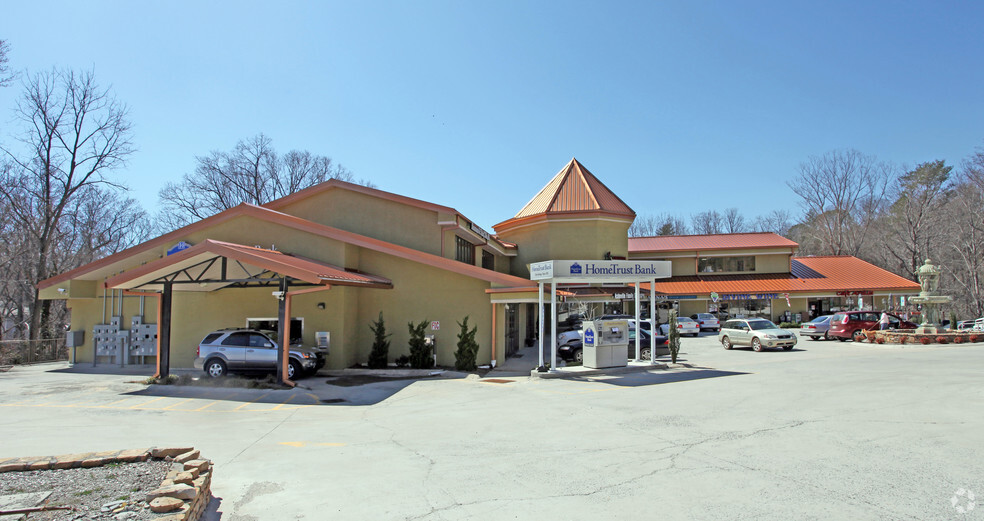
x=606 y=343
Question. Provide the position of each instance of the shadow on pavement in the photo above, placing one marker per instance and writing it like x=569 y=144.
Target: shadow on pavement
x=647 y=378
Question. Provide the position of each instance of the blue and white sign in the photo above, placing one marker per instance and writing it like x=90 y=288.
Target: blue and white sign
x=178 y=247
x=589 y=336
x=599 y=270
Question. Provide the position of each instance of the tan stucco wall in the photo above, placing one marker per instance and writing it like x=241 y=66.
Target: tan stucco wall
x=564 y=240
x=374 y=217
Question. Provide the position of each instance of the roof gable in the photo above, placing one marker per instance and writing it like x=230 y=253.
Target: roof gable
x=573 y=189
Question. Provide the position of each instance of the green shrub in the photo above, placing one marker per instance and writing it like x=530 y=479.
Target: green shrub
x=421 y=354
x=402 y=361
x=465 y=356
x=790 y=325
x=380 y=346
x=674 y=337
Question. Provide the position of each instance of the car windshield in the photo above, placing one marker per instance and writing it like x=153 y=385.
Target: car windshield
x=757 y=325
x=820 y=320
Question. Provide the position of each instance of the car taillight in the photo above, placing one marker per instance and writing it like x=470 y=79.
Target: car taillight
x=198 y=351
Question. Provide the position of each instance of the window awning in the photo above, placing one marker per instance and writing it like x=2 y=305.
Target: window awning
x=212 y=265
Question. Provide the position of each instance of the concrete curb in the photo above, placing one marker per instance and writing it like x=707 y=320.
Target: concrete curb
x=579 y=371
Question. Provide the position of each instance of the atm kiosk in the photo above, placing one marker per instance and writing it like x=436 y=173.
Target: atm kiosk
x=606 y=343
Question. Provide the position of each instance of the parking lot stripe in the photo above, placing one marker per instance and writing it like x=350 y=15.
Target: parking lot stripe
x=146 y=403
x=254 y=401
x=285 y=402
x=203 y=407
x=168 y=408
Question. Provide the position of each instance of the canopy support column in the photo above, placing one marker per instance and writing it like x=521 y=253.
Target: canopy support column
x=553 y=327
x=654 y=320
x=638 y=319
x=164 y=332
x=541 y=325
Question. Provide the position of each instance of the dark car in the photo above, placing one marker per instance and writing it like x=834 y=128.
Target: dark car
x=846 y=324
x=573 y=351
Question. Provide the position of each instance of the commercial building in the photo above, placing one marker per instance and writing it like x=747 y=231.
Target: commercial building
x=339 y=254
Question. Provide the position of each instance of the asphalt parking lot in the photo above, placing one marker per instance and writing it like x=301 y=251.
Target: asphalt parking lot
x=829 y=430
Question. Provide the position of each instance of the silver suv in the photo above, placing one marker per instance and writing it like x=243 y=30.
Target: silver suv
x=250 y=350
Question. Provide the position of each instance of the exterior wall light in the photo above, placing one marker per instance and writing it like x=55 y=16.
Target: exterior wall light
x=321 y=305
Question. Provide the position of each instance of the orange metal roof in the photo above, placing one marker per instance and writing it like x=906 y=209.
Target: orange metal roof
x=307 y=270
x=573 y=189
x=723 y=241
x=809 y=274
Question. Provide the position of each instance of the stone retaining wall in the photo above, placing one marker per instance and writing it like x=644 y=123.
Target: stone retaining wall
x=185 y=491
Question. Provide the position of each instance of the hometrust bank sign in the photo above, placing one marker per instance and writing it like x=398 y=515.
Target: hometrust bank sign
x=599 y=271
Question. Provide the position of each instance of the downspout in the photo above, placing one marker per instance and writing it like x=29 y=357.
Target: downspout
x=495 y=335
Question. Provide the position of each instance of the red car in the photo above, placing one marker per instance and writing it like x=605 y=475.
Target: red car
x=845 y=324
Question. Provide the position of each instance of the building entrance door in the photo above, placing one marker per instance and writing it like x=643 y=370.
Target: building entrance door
x=512 y=329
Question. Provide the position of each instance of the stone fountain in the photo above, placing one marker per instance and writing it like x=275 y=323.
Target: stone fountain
x=929 y=280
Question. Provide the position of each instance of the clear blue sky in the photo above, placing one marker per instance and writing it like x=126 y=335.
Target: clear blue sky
x=678 y=107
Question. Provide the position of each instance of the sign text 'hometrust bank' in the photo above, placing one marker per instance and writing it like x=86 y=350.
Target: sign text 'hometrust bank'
x=589 y=270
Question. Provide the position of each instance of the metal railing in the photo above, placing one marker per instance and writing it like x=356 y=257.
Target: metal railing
x=17 y=352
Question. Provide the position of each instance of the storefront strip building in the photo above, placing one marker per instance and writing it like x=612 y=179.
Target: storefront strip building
x=345 y=253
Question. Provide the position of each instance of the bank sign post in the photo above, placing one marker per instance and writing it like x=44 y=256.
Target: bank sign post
x=555 y=272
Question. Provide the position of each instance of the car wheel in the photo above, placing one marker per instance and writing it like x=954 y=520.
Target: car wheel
x=856 y=336
x=578 y=356
x=826 y=335
x=756 y=344
x=215 y=368
x=726 y=342
x=646 y=353
x=293 y=369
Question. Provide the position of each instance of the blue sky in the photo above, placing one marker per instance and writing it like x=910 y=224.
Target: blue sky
x=678 y=107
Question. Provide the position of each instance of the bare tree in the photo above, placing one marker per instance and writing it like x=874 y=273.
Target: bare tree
x=6 y=77
x=913 y=222
x=252 y=172
x=841 y=195
x=776 y=221
x=659 y=224
x=707 y=222
x=734 y=221
x=964 y=236
x=75 y=134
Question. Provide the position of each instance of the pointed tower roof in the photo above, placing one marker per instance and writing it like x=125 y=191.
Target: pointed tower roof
x=573 y=189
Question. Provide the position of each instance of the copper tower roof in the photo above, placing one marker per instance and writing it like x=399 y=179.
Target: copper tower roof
x=575 y=189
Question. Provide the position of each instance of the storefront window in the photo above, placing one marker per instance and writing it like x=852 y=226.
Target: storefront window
x=750 y=308
x=721 y=264
x=488 y=260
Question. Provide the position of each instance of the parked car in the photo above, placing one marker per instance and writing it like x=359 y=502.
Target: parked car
x=707 y=321
x=816 y=328
x=569 y=336
x=844 y=325
x=240 y=350
x=758 y=333
x=662 y=344
x=573 y=350
x=685 y=326
x=965 y=324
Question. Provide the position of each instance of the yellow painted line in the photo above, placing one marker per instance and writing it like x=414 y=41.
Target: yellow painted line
x=277 y=408
x=203 y=407
x=285 y=402
x=254 y=401
x=147 y=403
x=168 y=408
x=313 y=397
x=114 y=403
x=294 y=443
